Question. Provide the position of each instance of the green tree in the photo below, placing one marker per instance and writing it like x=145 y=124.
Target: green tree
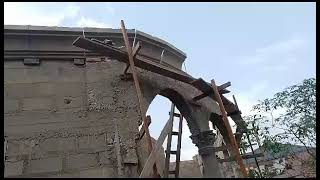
x=286 y=119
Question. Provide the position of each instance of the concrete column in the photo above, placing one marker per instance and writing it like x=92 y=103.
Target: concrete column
x=204 y=141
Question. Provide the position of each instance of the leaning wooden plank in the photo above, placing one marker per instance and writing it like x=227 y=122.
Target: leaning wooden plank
x=234 y=146
x=142 y=132
x=136 y=49
x=138 y=89
x=225 y=85
x=153 y=156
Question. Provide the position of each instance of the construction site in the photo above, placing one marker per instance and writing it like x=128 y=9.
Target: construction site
x=75 y=103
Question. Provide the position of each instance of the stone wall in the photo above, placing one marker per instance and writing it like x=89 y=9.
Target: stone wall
x=55 y=125
x=66 y=120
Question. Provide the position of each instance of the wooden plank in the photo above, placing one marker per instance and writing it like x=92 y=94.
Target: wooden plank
x=169 y=139
x=225 y=85
x=136 y=49
x=142 y=132
x=229 y=130
x=139 y=93
x=154 y=153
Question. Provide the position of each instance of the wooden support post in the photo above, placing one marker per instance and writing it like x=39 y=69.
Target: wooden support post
x=142 y=132
x=228 y=127
x=224 y=86
x=136 y=49
x=137 y=85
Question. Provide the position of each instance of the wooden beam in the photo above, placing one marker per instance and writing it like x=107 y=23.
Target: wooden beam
x=155 y=152
x=136 y=49
x=142 y=132
x=229 y=130
x=224 y=86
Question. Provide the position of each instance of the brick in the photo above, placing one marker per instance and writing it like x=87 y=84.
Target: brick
x=95 y=144
x=13 y=168
x=64 y=175
x=69 y=102
x=53 y=164
x=69 y=74
x=81 y=161
x=67 y=144
x=106 y=157
x=131 y=157
x=13 y=149
x=78 y=61
x=36 y=104
x=98 y=172
x=27 y=75
x=26 y=90
x=48 y=145
x=11 y=105
x=32 y=117
x=69 y=89
x=14 y=64
x=31 y=61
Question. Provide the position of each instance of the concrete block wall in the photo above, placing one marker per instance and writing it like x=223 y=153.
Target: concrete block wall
x=59 y=119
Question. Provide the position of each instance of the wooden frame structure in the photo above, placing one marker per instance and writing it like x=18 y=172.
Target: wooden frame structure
x=133 y=60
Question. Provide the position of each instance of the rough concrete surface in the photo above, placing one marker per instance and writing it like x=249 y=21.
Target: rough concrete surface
x=60 y=118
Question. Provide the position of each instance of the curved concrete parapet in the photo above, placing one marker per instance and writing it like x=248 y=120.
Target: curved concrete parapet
x=57 y=41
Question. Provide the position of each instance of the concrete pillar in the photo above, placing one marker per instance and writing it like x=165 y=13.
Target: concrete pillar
x=204 y=141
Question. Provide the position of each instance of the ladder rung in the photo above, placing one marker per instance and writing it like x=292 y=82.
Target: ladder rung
x=175 y=114
x=171 y=152
x=172 y=172
x=175 y=133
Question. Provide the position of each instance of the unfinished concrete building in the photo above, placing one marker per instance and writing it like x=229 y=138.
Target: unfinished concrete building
x=68 y=112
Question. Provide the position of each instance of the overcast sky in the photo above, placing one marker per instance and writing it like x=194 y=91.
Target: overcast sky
x=260 y=47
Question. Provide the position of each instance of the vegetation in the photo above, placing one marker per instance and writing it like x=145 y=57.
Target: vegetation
x=286 y=119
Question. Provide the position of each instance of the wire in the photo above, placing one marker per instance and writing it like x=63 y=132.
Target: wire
x=134 y=40
x=184 y=64
x=161 y=56
x=84 y=53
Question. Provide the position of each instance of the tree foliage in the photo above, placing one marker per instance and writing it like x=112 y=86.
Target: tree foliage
x=286 y=119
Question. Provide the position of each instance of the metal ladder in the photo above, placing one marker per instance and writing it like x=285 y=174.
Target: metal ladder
x=168 y=151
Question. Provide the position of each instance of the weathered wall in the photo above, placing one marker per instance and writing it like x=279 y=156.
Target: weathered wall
x=54 y=125
x=60 y=119
x=188 y=169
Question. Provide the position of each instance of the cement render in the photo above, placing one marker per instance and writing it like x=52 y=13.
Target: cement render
x=60 y=118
